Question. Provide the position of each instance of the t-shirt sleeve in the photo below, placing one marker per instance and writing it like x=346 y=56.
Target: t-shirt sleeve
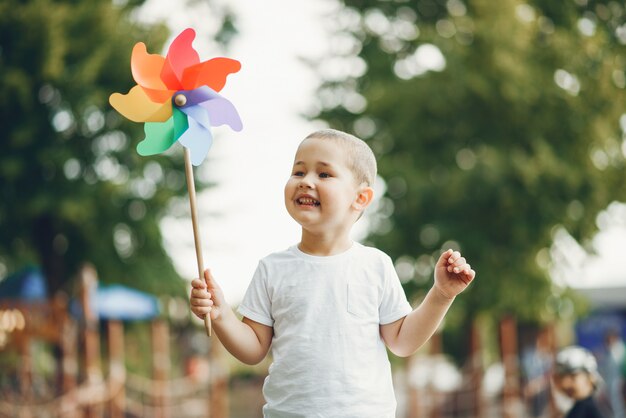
x=394 y=304
x=256 y=304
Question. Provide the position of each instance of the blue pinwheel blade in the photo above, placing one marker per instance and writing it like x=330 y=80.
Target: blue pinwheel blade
x=198 y=140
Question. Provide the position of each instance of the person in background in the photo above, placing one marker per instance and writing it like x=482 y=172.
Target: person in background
x=536 y=361
x=611 y=361
x=576 y=376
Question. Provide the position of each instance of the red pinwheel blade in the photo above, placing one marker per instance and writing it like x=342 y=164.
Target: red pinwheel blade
x=211 y=73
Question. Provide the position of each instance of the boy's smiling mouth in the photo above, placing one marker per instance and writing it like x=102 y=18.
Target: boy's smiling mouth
x=307 y=201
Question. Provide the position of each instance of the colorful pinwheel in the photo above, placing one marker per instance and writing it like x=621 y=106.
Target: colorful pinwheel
x=176 y=97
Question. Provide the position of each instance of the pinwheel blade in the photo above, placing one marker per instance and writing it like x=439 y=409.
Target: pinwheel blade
x=223 y=112
x=180 y=124
x=198 y=114
x=159 y=137
x=208 y=108
x=211 y=73
x=198 y=140
x=179 y=56
x=137 y=107
x=146 y=68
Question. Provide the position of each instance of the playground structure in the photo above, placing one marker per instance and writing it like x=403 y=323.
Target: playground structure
x=78 y=387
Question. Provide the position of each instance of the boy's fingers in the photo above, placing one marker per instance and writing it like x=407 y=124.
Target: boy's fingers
x=444 y=257
x=469 y=274
x=201 y=312
x=454 y=256
x=458 y=265
x=198 y=284
x=200 y=293
x=201 y=302
x=210 y=280
x=448 y=257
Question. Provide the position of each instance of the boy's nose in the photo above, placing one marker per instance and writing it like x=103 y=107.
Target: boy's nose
x=305 y=183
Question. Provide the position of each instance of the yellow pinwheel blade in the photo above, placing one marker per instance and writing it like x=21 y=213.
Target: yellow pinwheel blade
x=137 y=107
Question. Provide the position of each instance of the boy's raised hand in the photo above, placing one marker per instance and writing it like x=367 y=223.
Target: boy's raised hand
x=452 y=274
x=205 y=298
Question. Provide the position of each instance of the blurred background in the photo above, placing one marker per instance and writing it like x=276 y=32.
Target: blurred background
x=499 y=129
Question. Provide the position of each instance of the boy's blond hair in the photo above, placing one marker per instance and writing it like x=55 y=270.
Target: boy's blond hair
x=361 y=159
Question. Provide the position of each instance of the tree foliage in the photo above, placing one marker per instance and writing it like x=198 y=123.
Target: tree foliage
x=72 y=187
x=495 y=124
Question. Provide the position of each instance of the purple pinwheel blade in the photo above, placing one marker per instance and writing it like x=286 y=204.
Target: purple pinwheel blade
x=199 y=95
x=222 y=112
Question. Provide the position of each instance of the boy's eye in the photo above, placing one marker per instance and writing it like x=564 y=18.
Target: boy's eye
x=298 y=173
x=324 y=175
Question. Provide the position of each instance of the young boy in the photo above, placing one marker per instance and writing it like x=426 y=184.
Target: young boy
x=576 y=375
x=329 y=306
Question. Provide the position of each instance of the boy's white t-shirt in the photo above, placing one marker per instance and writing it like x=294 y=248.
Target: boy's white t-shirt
x=329 y=359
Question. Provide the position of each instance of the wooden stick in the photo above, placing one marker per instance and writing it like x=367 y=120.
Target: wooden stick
x=196 y=230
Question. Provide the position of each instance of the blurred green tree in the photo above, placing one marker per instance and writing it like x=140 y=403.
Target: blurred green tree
x=72 y=187
x=496 y=124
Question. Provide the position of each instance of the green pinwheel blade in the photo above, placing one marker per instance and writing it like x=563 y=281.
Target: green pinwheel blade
x=159 y=137
x=180 y=123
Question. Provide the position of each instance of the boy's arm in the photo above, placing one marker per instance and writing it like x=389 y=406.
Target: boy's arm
x=406 y=335
x=246 y=340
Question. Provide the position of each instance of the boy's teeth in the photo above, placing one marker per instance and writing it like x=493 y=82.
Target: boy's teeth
x=307 y=201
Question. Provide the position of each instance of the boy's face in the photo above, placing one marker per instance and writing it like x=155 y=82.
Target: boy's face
x=576 y=385
x=321 y=193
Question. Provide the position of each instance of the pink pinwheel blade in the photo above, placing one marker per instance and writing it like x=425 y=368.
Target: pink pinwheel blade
x=180 y=56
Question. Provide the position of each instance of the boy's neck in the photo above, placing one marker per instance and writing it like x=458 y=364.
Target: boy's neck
x=324 y=246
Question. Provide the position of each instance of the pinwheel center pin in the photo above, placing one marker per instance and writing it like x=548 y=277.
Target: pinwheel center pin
x=180 y=100
x=177 y=98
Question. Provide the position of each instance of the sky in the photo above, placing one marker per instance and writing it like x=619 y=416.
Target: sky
x=242 y=218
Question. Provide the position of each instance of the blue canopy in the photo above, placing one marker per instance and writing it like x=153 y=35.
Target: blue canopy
x=124 y=304
x=26 y=285
x=108 y=302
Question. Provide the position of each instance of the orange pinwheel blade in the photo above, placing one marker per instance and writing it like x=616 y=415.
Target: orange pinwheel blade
x=211 y=73
x=146 y=69
x=158 y=96
x=137 y=107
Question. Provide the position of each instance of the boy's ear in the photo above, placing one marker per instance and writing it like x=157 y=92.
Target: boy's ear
x=364 y=197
